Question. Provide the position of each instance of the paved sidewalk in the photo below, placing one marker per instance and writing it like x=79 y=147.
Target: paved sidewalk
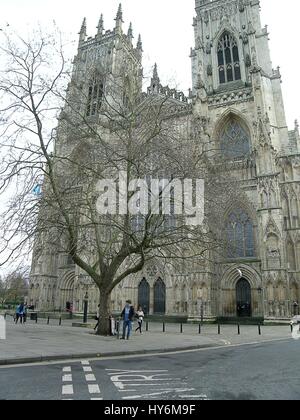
x=38 y=342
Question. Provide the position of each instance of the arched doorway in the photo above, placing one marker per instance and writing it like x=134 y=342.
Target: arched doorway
x=243 y=298
x=159 y=297
x=67 y=291
x=144 y=295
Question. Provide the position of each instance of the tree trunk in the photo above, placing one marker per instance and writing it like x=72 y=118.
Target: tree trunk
x=104 y=314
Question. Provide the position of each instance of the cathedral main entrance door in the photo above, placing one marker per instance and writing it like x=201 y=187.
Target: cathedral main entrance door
x=243 y=299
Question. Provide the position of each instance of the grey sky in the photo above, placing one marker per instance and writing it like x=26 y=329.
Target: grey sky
x=166 y=28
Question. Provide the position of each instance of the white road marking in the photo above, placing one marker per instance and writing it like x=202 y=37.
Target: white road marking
x=187 y=397
x=96 y=399
x=66 y=369
x=154 y=394
x=90 y=378
x=67 y=378
x=67 y=390
x=85 y=363
x=87 y=369
x=94 y=389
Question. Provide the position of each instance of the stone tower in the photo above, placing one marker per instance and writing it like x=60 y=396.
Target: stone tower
x=239 y=94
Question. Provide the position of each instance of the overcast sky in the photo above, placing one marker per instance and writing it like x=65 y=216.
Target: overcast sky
x=167 y=32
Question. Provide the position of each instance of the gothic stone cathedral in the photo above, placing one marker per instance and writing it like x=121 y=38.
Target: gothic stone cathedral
x=238 y=93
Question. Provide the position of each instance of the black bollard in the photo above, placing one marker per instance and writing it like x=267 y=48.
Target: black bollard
x=259 y=329
x=181 y=329
x=219 y=329
x=164 y=327
x=48 y=320
x=239 y=329
x=199 y=328
x=60 y=321
x=36 y=319
x=291 y=328
x=147 y=326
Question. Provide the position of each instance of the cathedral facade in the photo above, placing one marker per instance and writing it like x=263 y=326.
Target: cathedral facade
x=237 y=92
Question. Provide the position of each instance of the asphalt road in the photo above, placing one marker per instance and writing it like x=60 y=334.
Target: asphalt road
x=252 y=372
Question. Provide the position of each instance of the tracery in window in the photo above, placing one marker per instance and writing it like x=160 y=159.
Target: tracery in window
x=95 y=96
x=228 y=59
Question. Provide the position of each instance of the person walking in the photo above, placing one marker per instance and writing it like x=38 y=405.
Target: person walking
x=97 y=318
x=127 y=316
x=20 y=313
x=140 y=316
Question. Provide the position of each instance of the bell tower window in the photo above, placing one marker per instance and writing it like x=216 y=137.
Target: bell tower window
x=95 y=97
x=228 y=59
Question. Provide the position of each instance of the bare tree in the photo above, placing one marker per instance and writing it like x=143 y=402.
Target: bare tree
x=106 y=126
x=14 y=286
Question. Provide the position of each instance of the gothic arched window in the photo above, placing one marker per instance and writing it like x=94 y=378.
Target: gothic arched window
x=240 y=235
x=228 y=59
x=234 y=139
x=95 y=96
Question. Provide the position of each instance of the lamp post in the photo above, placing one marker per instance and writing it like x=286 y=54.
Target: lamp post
x=260 y=294
x=85 y=308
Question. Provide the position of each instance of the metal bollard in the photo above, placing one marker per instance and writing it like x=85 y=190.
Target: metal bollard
x=239 y=329
x=181 y=329
x=60 y=321
x=164 y=327
x=48 y=320
x=291 y=328
x=219 y=329
x=259 y=329
x=147 y=326
x=199 y=328
x=36 y=319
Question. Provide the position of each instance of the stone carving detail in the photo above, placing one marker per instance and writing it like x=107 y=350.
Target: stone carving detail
x=206 y=17
x=209 y=70
x=227 y=9
x=244 y=36
x=248 y=60
x=241 y=6
x=208 y=45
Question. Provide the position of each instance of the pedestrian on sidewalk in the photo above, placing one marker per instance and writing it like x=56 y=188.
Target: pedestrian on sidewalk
x=127 y=316
x=25 y=313
x=20 y=313
x=97 y=318
x=140 y=317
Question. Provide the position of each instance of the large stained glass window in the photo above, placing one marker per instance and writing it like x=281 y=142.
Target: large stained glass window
x=234 y=140
x=228 y=59
x=240 y=235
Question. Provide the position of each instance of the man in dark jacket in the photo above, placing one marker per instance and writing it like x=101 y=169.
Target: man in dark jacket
x=127 y=316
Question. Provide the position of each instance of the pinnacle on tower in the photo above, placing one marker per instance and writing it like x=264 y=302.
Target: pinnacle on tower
x=130 y=32
x=100 y=26
x=119 y=19
x=139 y=44
x=155 y=73
x=82 y=33
x=119 y=16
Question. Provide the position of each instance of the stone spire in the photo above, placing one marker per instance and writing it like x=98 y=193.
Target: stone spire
x=139 y=44
x=119 y=18
x=82 y=33
x=155 y=74
x=130 y=33
x=100 y=26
